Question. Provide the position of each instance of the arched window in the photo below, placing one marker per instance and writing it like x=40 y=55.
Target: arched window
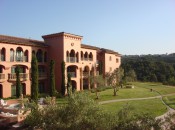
x=39 y=55
x=26 y=53
x=3 y=56
x=67 y=56
x=90 y=56
x=72 y=56
x=117 y=60
x=12 y=54
x=86 y=56
x=110 y=58
x=19 y=54
x=82 y=56
x=77 y=57
x=45 y=57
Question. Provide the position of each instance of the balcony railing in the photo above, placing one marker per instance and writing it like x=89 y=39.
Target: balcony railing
x=71 y=59
x=2 y=58
x=20 y=58
x=2 y=76
x=72 y=74
x=90 y=59
x=22 y=76
x=86 y=59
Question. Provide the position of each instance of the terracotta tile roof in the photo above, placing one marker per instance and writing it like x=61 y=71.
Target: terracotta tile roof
x=89 y=47
x=109 y=51
x=21 y=41
x=61 y=34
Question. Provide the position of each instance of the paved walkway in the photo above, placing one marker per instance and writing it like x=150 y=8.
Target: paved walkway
x=129 y=99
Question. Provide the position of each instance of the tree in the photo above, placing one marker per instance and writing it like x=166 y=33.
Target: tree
x=131 y=76
x=52 y=79
x=69 y=85
x=63 y=78
x=114 y=79
x=99 y=81
x=79 y=113
x=18 y=83
x=100 y=67
x=34 y=76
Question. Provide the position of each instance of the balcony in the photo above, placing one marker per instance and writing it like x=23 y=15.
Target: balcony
x=2 y=77
x=2 y=58
x=72 y=59
x=12 y=76
x=72 y=74
x=42 y=75
x=90 y=59
x=20 y=59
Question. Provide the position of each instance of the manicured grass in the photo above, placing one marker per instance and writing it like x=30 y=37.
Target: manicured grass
x=170 y=101
x=124 y=93
x=153 y=107
x=162 y=89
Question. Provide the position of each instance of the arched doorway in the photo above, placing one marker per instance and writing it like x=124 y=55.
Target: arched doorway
x=72 y=71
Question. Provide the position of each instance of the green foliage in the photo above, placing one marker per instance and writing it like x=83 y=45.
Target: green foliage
x=100 y=67
x=34 y=76
x=69 y=85
x=126 y=120
x=98 y=80
x=52 y=79
x=80 y=113
x=18 y=83
x=63 y=78
x=150 y=68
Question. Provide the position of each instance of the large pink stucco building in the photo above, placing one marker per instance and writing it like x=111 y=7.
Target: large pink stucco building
x=81 y=61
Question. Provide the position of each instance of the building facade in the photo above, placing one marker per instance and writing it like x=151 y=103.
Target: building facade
x=81 y=61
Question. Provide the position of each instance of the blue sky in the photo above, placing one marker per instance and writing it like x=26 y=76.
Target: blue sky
x=126 y=26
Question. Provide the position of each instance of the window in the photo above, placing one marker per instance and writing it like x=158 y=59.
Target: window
x=117 y=60
x=13 y=90
x=3 y=51
x=12 y=55
x=110 y=58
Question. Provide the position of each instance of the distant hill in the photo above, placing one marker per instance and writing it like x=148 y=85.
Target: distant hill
x=150 y=68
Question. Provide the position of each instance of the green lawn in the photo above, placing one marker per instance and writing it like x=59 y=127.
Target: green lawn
x=141 y=90
x=170 y=100
x=152 y=106
x=137 y=92
x=163 y=89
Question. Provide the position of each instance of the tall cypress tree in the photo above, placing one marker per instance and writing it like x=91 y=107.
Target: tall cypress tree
x=34 y=76
x=69 y=85
x=52 y=79
x=100 y=68
x=18 y=83
x=63 y=78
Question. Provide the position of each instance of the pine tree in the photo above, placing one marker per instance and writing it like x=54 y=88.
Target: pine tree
x=34 y=76
x=52 y=79
x=18 y=83
x=63 y=78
